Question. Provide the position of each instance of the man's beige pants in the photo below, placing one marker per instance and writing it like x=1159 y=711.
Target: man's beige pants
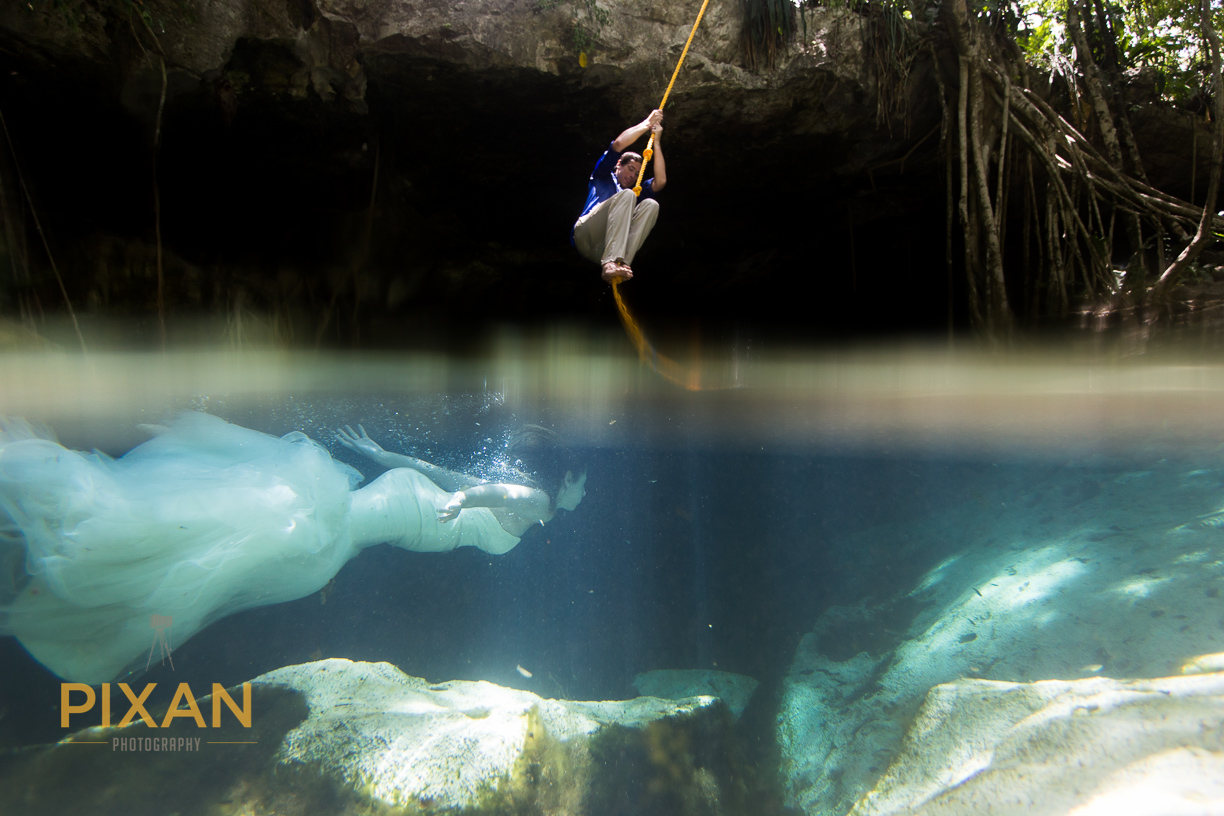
x=615 y=228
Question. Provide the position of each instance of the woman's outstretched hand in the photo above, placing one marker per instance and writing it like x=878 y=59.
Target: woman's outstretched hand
x=362 y=443
x=452 y=508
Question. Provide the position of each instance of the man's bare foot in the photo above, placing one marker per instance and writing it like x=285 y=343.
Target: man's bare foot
x=612 y=270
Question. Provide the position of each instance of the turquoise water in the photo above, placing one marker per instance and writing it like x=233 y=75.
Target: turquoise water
x=811 y=523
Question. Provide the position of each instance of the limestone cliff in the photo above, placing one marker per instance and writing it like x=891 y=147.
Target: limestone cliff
x=346 y=168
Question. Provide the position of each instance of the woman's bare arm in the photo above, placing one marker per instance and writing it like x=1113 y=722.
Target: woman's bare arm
x=527 y=503
x=363 y=444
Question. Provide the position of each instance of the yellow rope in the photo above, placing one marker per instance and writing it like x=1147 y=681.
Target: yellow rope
x=665 y=367
x=649 y=151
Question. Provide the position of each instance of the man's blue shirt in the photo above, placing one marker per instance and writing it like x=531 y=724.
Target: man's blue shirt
x=603 y=184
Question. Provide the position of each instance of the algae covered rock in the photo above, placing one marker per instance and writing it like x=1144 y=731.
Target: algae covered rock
x=677 y=684
x=341 y=737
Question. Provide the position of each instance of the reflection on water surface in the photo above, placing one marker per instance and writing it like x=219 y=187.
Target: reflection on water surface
x=912 y=396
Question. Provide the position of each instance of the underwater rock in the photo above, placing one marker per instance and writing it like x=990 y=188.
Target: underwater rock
x=678 y=684
x=474 y=745
x=1028 y=587
x=342 y=737
x=1089 y=747
x=177 y=768
x=1204 y=664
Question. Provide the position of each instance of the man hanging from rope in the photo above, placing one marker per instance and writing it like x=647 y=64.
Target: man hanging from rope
x=615 y=222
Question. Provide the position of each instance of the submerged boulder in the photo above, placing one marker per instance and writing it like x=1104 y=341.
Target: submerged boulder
x=735 y=690
x=342 y=737
x=1090 y=747
x=1107 y=573
x=478 y=747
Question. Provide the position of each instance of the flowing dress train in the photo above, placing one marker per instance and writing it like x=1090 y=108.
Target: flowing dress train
x=204 y=520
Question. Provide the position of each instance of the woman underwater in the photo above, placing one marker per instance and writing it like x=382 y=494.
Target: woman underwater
x=208 y=518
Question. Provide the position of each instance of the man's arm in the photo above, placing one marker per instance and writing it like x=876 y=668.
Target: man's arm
x=632 y=134
x=660 y=166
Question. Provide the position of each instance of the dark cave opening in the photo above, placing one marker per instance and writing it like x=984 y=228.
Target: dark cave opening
x=266 y=202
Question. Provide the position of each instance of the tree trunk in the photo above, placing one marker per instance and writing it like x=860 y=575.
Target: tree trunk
x=998 y=312
x=1092 y=82
x=1205 y=233
x=988 y=303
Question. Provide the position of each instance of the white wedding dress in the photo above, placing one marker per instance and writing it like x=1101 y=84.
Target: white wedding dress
x=203 y=520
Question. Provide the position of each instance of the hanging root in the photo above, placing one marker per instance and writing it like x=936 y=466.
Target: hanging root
x=1067 y=241
x=767 y=27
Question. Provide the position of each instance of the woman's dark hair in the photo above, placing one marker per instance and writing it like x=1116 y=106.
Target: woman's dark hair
x=545 y=457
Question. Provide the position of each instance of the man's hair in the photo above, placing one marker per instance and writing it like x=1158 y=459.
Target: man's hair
x=629 y=156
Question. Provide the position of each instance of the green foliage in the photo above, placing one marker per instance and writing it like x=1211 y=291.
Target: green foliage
x=1163 y=36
